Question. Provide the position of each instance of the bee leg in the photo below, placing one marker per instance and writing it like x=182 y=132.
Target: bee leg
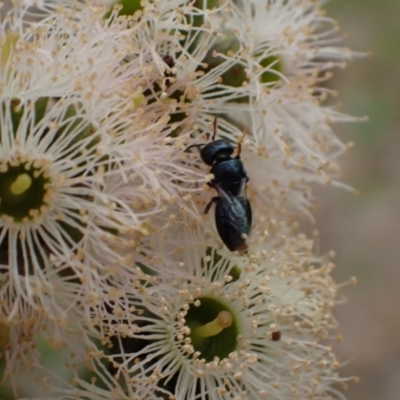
x=208 y=206
x=239 y=145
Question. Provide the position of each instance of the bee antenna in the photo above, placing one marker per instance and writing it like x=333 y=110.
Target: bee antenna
x=194 y=145
x=239 y=145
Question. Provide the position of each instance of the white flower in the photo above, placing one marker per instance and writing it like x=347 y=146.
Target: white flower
x=209 y=332
x=278 y=60
x=102 y=191
x=258 y=66
x=57 y=159
x=80 y=165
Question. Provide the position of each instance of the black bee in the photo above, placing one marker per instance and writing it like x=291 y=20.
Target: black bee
x=233 y=210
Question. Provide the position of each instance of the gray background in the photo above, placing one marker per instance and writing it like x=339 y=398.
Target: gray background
x=364 y=230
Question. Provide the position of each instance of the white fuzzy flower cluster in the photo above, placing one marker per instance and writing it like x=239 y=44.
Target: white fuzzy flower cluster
x=109 y=115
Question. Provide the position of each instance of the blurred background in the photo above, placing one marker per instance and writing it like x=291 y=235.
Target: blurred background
x=364 y=230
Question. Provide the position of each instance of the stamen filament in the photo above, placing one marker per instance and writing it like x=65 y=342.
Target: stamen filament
x=8 y=46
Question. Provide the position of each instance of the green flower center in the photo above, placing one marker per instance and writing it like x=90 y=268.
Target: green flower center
x=23 y=190
x=213 y=327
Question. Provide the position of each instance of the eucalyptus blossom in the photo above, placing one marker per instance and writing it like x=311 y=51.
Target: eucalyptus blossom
x=105 y=250
x=221 y=327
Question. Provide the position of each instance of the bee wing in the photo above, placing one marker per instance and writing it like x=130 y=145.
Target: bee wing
x=242 y=190
x=242 y=198
x=231 y=219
